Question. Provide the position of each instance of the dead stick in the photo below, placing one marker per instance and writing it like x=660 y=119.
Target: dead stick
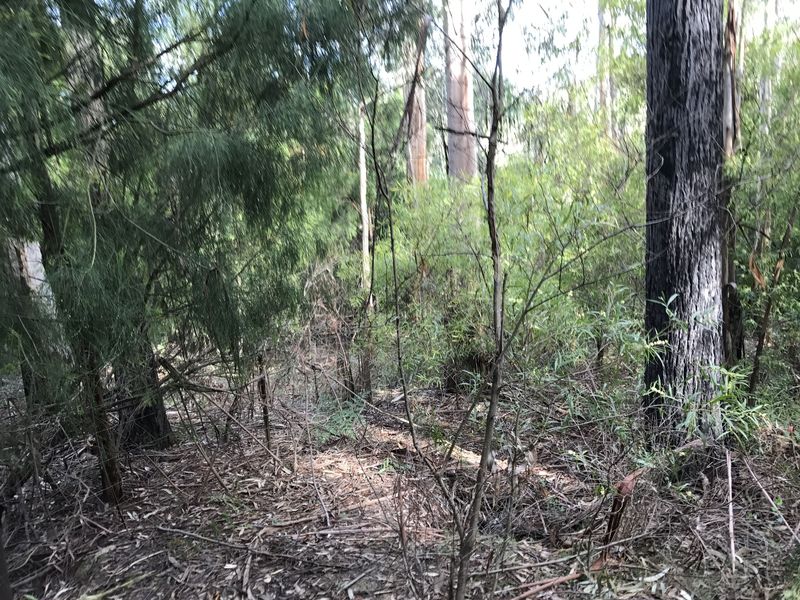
x=771 y=502
x=546 y=584
x=248 y=432
x=730 y=511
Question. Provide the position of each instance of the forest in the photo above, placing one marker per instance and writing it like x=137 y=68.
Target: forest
x=399 y=299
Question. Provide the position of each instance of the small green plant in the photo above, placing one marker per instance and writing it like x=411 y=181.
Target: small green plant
x=740 y=420
x=340 y=419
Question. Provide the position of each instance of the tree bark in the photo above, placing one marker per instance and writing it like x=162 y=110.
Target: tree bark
x=144 y=422
x=732 y=326
x=110 y=476
x=684 y=159
x=418 y=114
x=605 y=53
x=462 y=148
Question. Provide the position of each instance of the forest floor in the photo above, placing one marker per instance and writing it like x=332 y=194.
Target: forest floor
x=345 y=507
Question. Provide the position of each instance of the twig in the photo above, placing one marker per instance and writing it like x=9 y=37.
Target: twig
x=730 y=511
x=203 y=538
x=771 y=501
x=546 y=584
x=352 y=582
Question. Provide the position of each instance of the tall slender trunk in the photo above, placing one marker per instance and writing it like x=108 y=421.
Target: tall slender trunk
x=732 y=326
x=365 y=363
x=110 y=476
x=418 y=114
x=462 y=148
x=469 y=538
x=362 y=199
x=602 y=87
x=264 y=399
x=84 y=77
x=764 y=219
x=684 y=137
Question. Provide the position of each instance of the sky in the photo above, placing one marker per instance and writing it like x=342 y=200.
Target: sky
x=530 y=18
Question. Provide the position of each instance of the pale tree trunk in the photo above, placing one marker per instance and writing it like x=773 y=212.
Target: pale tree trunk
x=602 y=88
x=362 y=199
x=607 y=91
x=732 y=326
x=35 y=314
x=462 y=148
x=418 y=116
x=764 y=221
x=365 y=367
x=684 y=159
x=612 y=84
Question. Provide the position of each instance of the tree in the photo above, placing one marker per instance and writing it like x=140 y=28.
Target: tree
x=684 y=158
x=418 y=113
x=732 y=328
x=462 y=148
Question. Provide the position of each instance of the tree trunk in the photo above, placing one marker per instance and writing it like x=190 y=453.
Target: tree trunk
x=144 y=422
x=764 y=220
x=462 y=148
x=602 y=86
x=110 y=477
x=362 y=198
x=684 y=158
x=732 y=326
x=264 y=398
x=84 y=77
x=469 y=539
x=418 y=115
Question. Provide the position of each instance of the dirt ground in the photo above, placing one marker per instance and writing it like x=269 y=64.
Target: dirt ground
x=352 y=511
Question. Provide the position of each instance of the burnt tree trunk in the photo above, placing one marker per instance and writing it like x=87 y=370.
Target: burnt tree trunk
x=684 y=160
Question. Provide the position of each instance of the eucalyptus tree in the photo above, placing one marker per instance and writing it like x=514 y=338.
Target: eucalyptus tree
x=684 y=159
x=462 y=147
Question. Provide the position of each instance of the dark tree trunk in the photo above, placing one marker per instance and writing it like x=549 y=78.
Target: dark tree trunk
x=146 y=423
x=684 y=159
x=110 y=476
x=264 y=398
x=732 y=318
